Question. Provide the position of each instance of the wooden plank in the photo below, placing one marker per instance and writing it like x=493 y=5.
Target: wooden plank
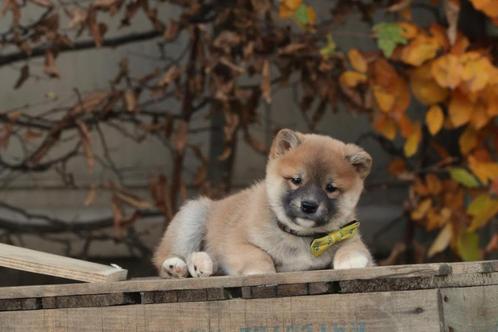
x=437 y=275
x=59 y=266
x=386 y=311
x=470 y=308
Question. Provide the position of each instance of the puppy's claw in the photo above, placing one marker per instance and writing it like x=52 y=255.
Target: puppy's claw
x=351 y=261
x=200 y=264
x=173 y=267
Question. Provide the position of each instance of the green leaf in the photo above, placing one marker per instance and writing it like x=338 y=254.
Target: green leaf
x=301 y=14
x=468 y=246
x=329 y=47
x=462 y=176
x=389 y=35
x=482 y=209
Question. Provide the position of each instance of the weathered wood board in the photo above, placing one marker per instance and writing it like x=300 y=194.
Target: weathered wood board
x=386 y=311
x=470 y=308
x=426 y=297
x=58 y=266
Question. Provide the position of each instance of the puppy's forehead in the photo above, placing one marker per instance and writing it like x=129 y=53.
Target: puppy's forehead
x=321 y=157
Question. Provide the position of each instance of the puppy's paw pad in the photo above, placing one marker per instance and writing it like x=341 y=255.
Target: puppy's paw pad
x=173 y=267
x=200 y=264
x=351 y=261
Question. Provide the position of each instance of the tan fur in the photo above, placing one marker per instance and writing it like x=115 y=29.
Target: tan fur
x=240 y=232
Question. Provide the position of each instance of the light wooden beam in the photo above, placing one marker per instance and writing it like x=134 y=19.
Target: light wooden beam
x=58 y=266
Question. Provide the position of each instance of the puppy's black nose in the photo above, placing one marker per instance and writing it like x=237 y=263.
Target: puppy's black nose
x=309 y=207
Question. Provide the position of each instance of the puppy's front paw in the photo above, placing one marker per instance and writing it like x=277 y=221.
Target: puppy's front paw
x=173 y=267
x=351 y=260
x=200 y=264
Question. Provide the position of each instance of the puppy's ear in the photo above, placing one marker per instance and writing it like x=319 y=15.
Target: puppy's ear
x=285 y=140
x=359 y=158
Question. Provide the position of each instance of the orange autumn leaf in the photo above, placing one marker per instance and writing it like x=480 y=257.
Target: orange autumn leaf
x=352 y=78
x=494 y=187
x=406 y=126
x=384 y=74
x=454 y=199
x=475 y=71
x=397 y=166
x=434 y=184
x=288 y=8
x=446 y=71
x=385 y=126
x=384 y=98
x=434 y=119
x=403 y=97
x=422 y=209
x=488 y=7
x=437 y=219
x=424 y=87
x=489 y=97
x=460 y=46
x=409 y=30
x=479 y=117
x=485 y=171
x=468 y=140
x=311 y=15
x=420 y=188
x=439 y=34
x=421 y=49
x=460 y=109
x=358 y=62
x=390 y=90
x=412 y=142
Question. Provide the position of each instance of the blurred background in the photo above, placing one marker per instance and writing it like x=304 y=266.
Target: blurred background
x=114 y=112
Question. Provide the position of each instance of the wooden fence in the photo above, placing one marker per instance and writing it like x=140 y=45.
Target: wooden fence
x=426 y=297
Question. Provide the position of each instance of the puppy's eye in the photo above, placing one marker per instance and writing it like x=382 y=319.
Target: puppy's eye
x=330 y=188
x=297 y=181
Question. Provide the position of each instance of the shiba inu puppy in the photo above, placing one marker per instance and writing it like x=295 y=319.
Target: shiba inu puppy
x=301 y=217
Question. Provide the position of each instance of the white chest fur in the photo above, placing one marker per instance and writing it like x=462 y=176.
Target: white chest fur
x=289 y=252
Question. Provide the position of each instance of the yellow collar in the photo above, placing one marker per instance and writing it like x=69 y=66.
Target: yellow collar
x=320 y=245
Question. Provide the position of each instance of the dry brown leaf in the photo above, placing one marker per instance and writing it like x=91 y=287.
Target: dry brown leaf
x=399 y=6
x=91 y=195
x=22 y=77
x=90 y=102
x=49 y=66
x=171 y=75
x=398 y=249
x=452 y=10
x=131 y=199
x=78 y=17
x=87 y=145
x=180 y=136
x=442 y=240
x=227 y=151
x=42 y=3
x=130 y=100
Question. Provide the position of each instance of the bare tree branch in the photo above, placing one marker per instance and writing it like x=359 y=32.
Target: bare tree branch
x=78 y=46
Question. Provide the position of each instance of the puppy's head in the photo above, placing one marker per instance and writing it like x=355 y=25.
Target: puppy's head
x=313 y=181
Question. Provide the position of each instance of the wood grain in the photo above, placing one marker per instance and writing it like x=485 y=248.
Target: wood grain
x=470 y=308
x=386 y=311
x=434 y=275
x=59 y=266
